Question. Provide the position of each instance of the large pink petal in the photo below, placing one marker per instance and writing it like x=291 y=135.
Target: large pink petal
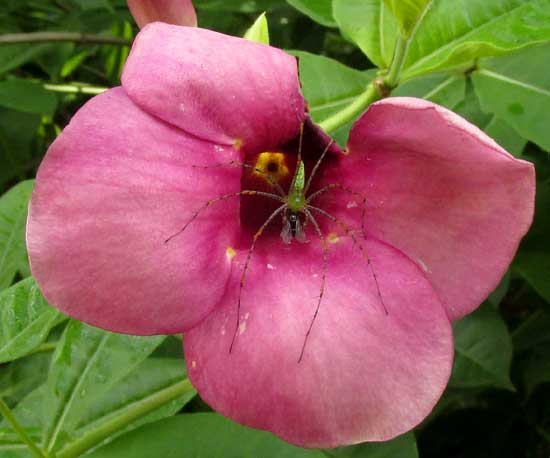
x=442 y=192
x=112 y=188
x=178 y=12
x=220 y=88
x=364 y=375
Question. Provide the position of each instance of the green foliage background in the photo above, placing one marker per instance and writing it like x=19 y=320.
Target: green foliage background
x=75 y=388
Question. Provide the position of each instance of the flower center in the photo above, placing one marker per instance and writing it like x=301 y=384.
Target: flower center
x=271 y=170
x=271 y=164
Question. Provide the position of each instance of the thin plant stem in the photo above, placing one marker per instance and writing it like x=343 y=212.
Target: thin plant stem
x=10 y=418
x=131 y=414
x=377 y=89
x=75 y=88
x=41 y=37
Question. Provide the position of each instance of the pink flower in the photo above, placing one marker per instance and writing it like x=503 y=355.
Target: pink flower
x=178 y=12
x=445 y=210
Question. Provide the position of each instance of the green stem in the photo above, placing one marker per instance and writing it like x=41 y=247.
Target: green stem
x=75 y=88
x=352 y=110
x=40 y=37
x=10 y=418
x=376 y=90
x=137 y=410
x=391 y=80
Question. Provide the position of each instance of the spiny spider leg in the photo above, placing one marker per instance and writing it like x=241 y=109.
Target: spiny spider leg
x=268 y=175
x=245 y=268
x=328 y=187
x=310 y=217
x=299 y=158
x=349 y=232
x=217 y=199
x=316 y=166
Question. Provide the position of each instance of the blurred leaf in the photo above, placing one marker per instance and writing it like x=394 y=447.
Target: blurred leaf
x=536 y=368
x=495 y=298
x=497 y=129
x=369 y=24
x=318 y=10
x=259 y=31
x=456 y=33
x=26 y=319
x=533 y=258
x=13 y=217
x=442 y=88
x=200 y=435
x=505 y=136
x=408 y=12
x=24 y=95
x=402 y=447
x=329 y=86
x=517 y=89
x=483 y=351
x=532 y=332
x=20 y=377
x=17 y=134
x=14 y=55
x=148 y=379
x=86 y=364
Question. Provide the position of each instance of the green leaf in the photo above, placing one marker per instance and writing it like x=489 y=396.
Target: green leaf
x=483 y=351
x=259 y=31
x=505 y=136
x=15 y=55
x=26 y=96
x=200 y=435
x=533 y=258
x=17 y=134
x=369 y=24
x=20 y=377
x=453 y=33
x=536 y=368
x=26 y=320
x=496 y=128
x=329 y=86
x=517 y=89
x=445 y=89
x=13 y=216
x=532 y=332
x=150 y=378
x=402 y=447
x=407 y=12
x=86 y=364
x=318 y=10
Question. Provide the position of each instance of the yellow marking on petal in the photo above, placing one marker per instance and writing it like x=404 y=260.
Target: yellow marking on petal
x=238 y=143
x=272 y=164
x=230 y=252
x=333 y=238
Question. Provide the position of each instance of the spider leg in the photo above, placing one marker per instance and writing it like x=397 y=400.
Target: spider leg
x=220 y=198
x=316 y=166
x=245 y=268
x=310 y=217
x=331 y=186
x=268 y=175
x=348 y=230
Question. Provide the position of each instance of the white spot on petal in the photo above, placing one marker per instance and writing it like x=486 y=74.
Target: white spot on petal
x=270 y=267
x=422 y=265
x=351 y=204
x=193 y=364
x=242 y=327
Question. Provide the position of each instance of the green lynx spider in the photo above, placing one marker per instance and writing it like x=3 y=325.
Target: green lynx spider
x=294 y=204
